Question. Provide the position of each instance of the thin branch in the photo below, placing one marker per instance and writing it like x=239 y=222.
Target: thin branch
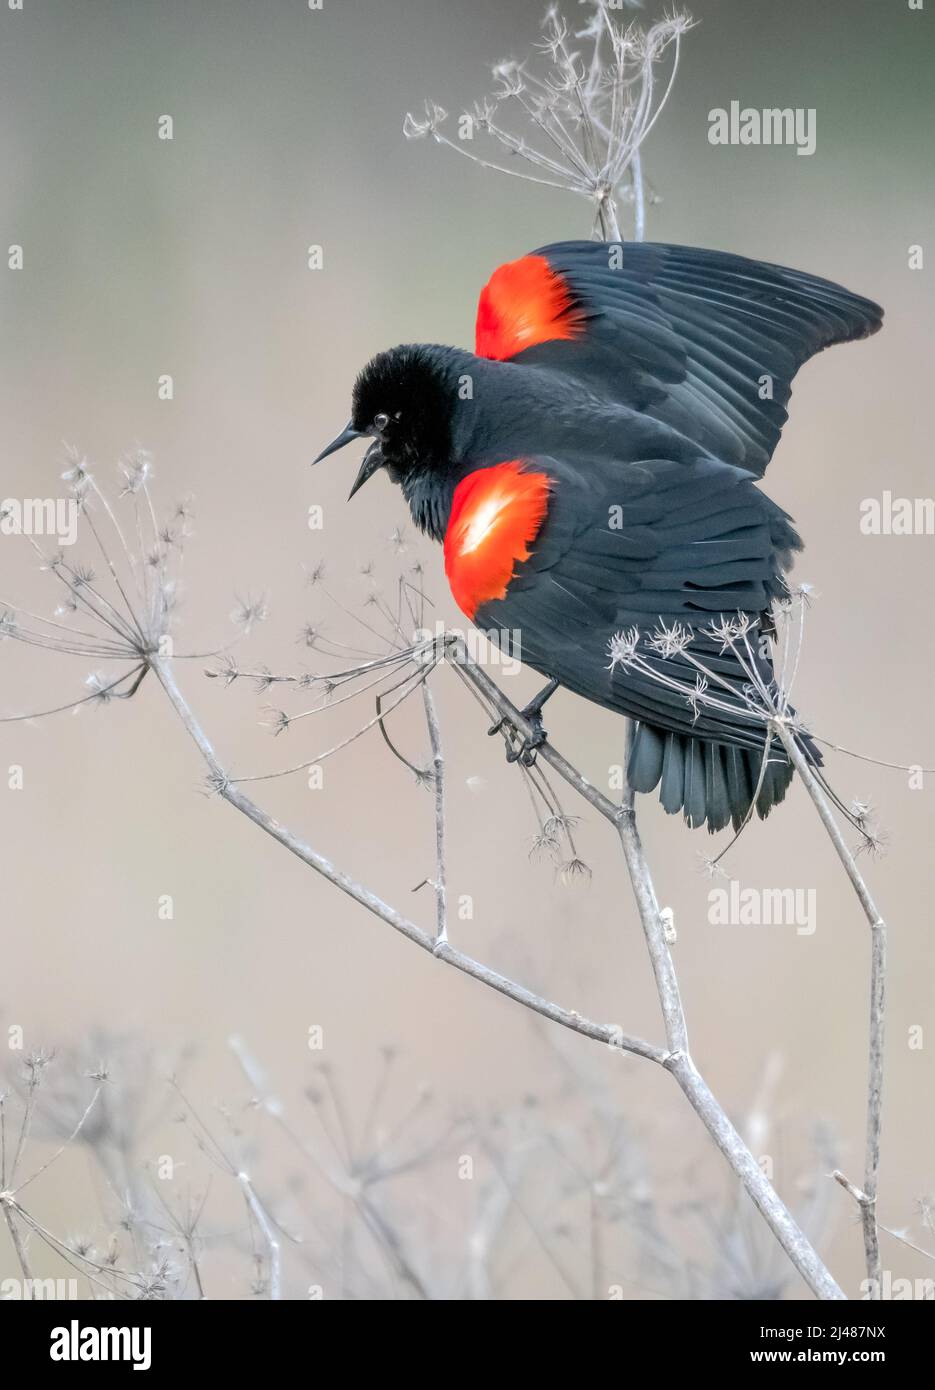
x=639 y=197
x=62 y=1147
x=868 y=1195
x=675 y=1060
x=269 y=1235
x=568 y=1018
x=9 y=1207
x=438 y=787
x=678 y=1060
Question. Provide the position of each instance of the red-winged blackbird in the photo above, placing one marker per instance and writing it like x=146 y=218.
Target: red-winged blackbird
x=591 y=469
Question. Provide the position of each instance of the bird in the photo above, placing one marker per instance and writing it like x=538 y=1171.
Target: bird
x=591 y=470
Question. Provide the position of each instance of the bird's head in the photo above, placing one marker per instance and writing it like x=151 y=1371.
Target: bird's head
x=405 y=401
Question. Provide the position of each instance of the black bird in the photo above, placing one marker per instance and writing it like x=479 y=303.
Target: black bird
x=591 y=469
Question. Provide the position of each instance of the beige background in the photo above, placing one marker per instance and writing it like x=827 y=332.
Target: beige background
x=189 y=257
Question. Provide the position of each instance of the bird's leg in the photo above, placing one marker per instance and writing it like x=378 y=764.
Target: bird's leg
x=525 y=752
x=533 y=711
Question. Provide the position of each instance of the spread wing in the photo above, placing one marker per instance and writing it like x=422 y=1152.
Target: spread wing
x=644 y=545
x=704 y=341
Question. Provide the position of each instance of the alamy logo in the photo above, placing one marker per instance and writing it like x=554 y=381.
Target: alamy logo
x=40 y=516
x=77 y=1343
x=774 y=125
x=763 y=907
x=898 y=1290
x=494 y=647
x=897 y=516
x=37 y=1289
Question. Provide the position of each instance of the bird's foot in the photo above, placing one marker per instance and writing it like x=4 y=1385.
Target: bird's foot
x=522 y=748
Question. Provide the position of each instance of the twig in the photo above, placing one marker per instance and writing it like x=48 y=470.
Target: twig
x=438 y=787
x=867 y=1196
x=62 y=1147
x=8 y=1205
x=269 y=1235
x=769 y=705
x=595 y=111
x=660 y=958
x=600 y=1032
x=678 y=1060
x=674 y=1058
x=350 y=1185
x=639 y=196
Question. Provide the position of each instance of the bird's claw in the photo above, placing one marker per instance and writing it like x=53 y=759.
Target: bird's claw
x=526 y=753
x=526 y=750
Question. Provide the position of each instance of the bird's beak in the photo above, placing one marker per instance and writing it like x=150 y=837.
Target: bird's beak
x=347 y=434
x=373 y=459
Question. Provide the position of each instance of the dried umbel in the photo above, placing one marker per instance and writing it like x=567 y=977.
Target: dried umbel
x=575 y=112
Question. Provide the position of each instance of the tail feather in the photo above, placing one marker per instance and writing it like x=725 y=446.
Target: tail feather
x=672 y=791
x=712 y=784
x=739 y=787
x=695 y=801
x=717 y=797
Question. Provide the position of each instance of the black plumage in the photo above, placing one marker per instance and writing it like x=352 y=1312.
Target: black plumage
x=652 y=417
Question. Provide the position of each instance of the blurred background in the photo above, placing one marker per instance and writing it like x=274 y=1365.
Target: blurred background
x=586 y=1171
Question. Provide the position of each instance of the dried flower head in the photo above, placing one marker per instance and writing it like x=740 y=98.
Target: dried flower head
x=586 y=101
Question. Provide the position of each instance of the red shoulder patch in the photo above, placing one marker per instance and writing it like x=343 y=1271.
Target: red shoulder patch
x=495 y=514
x=524 y=302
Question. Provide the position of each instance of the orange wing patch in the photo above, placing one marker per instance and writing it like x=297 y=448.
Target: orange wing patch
x=524 y=303
x=495 y=514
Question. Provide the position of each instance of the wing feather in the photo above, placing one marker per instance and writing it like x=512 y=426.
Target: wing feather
x=695 y=542
x=685 y=335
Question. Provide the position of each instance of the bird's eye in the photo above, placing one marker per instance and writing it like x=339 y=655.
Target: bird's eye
x=381 y=421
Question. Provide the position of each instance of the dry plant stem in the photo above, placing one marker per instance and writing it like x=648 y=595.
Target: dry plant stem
x=269 y=1235
x=387 y=1238
x=667 y=985
x=607 y=219
x=438 y=788
x=16 y=1238
x=866 y=1198
x=591 y=96
x=568 y=1018
x=348 y=1187
x=678 y=1059
x=639 y=197
x=674 y=1058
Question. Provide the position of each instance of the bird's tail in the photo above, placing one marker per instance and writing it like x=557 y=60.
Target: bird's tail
x=710 y=783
